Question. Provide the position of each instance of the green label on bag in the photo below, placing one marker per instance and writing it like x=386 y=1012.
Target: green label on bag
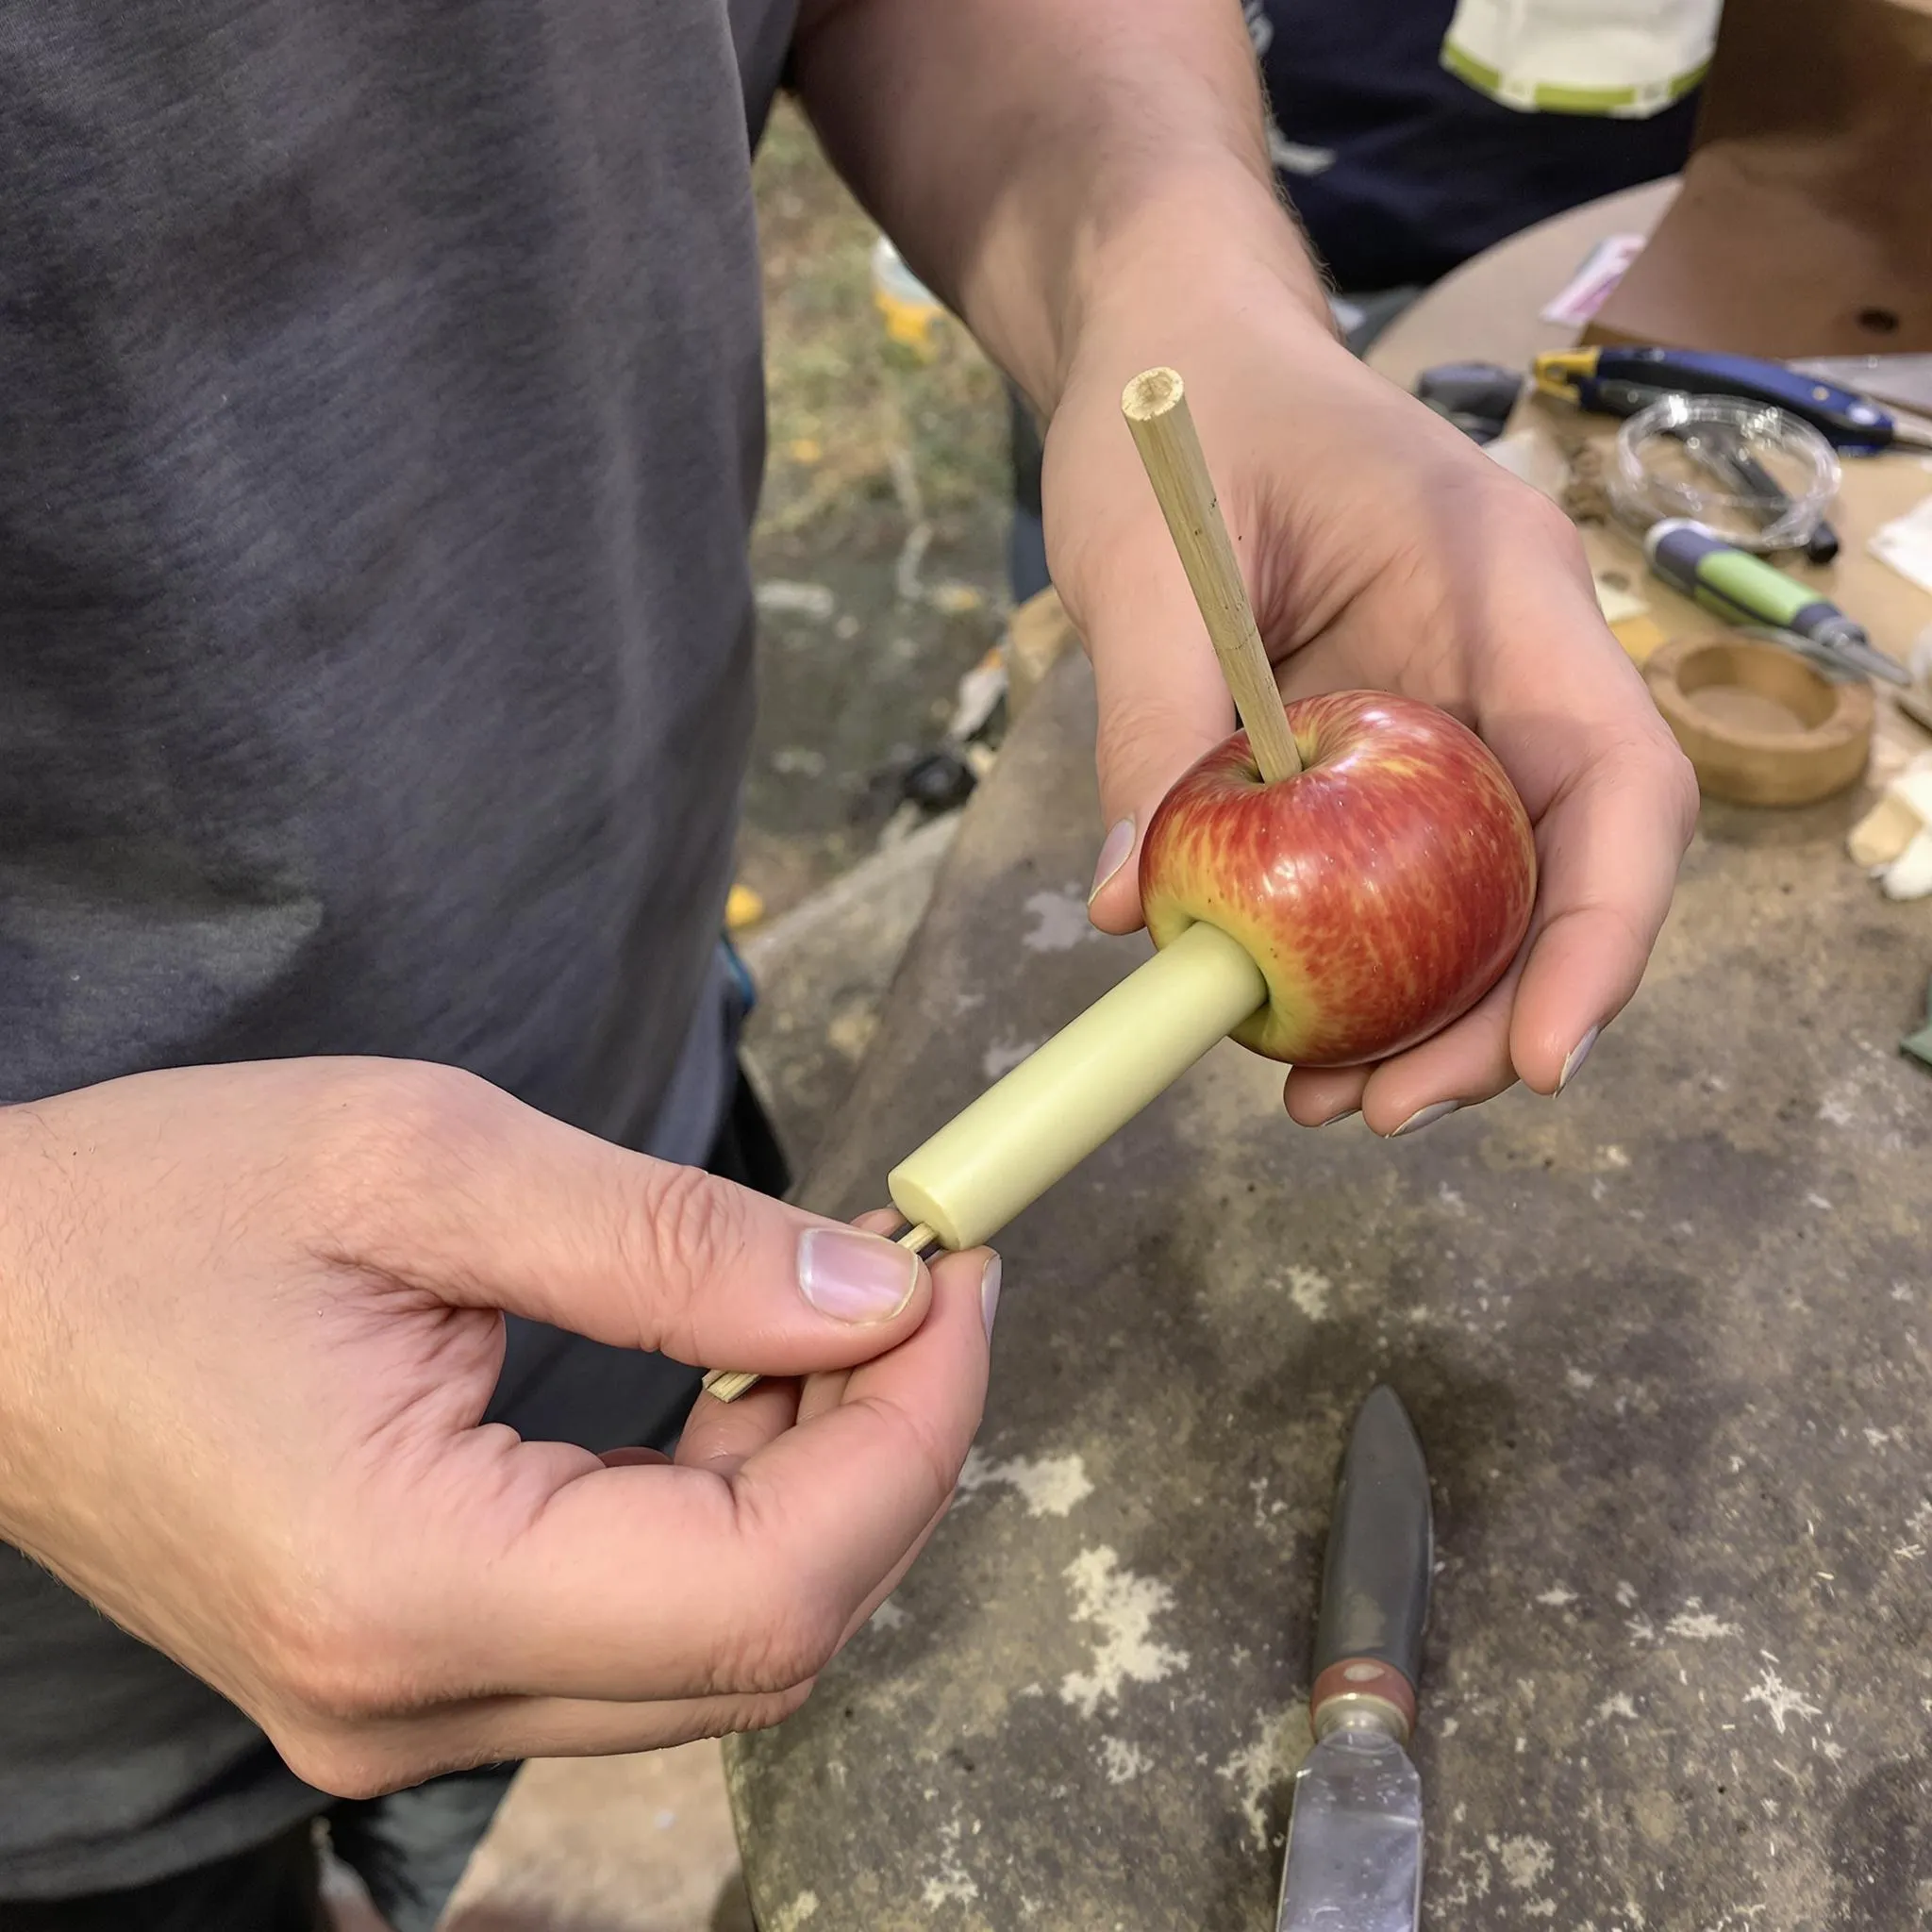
x=1548 y=98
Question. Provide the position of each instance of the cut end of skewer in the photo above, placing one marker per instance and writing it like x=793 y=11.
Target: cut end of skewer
x=1152 y=394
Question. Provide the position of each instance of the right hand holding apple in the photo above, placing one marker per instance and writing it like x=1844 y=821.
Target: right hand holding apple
x=1382 y=551
x=248 y=1328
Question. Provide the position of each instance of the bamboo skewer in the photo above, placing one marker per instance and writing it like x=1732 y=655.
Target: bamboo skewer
x=965 y=1183
x=1156 y=406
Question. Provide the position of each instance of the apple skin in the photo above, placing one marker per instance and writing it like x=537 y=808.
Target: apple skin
x=1382 y=890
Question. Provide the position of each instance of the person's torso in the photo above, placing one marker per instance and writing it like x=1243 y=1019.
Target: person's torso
x=380 y=421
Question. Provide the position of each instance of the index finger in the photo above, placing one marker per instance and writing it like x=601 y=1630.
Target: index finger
x=636 y=1583
x=1611 y=848
x=1608 y=849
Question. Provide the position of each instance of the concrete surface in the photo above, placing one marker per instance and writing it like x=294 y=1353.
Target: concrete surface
x=619 y=1844
x=823 y=970
x=609 y=1844
x=1669 y=1344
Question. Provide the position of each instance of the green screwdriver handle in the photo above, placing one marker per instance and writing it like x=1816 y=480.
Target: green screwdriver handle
x=1739 y=587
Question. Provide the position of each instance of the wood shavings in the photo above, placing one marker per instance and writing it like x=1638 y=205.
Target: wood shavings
x=1893 y=840
x=1586 y=497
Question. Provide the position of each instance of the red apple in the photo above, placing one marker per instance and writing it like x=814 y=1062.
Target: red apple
x=1382 y=890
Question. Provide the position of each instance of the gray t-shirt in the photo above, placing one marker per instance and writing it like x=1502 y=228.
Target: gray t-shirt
x=380 y=421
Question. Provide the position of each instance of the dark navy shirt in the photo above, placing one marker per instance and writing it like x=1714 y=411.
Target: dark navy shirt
x=1399 y=169
x=380 y=425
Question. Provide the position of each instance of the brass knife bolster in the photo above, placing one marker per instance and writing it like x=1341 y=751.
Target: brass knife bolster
x=1362 y=1690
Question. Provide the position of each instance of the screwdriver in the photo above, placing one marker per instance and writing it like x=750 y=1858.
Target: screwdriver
x=1743 y=589
x=1621 y=381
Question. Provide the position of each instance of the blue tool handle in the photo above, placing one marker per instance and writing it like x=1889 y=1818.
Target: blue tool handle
x=1844 y=419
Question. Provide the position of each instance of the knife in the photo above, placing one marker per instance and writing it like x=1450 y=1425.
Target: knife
x=1355 y=1838
x=1621 y=381
x=1900 y=381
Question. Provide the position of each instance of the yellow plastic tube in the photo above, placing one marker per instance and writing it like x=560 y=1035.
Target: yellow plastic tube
x=1072 y=1094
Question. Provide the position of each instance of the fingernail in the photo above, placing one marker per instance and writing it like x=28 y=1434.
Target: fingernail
x=989 y=1294
x=1426 y=1117
x=1347 y=1113
x=1578 y=1054
x=1113 y=855
x=855 y=1277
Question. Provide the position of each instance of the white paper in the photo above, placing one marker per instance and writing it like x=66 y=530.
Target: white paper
x=1906 y=544
x=1589 y=288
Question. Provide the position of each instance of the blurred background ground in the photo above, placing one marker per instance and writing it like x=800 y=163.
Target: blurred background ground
x=880 y=557
x=880 y=548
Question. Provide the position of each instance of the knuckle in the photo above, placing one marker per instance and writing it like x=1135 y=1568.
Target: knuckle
x=347 y=1668
x=938 y=1448
x=694 y=1229
x=387 y=1135
x=1133 y=729
x=328 y=1680
x=787 y=1649
x=757 y=1713
x=343 y=1767
x=1684 y=788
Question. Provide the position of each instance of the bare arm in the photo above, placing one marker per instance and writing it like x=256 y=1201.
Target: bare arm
x=1087 y=181
x=1030 y=155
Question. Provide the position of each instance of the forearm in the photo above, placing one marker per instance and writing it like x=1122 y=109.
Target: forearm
x=1041 y=159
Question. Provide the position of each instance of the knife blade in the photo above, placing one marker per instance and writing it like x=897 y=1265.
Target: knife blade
x=1904 y=381
x=1355 y=1841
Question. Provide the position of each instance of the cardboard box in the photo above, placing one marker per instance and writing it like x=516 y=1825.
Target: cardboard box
x=1804 y=223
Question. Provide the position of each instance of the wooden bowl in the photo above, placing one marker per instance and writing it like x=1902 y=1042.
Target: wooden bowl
x=1760 y=724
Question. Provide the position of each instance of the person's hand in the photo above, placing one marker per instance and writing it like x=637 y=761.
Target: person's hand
x=1382 y=550
x=248 y=1328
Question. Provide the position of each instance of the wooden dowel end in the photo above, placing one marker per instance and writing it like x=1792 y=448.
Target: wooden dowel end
x=1156 y=406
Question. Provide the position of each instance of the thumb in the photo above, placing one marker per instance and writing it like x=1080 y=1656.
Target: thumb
x=505 y=1207
x=1162 y=705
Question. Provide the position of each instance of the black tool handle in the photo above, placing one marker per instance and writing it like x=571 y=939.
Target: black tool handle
x=1476 y=397
x=1376 y=1582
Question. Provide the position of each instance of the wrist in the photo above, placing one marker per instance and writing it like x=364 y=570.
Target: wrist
x=1164 y=250
x=1210 y=246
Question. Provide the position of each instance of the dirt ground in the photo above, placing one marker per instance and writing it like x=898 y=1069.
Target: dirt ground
x=880 y=548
